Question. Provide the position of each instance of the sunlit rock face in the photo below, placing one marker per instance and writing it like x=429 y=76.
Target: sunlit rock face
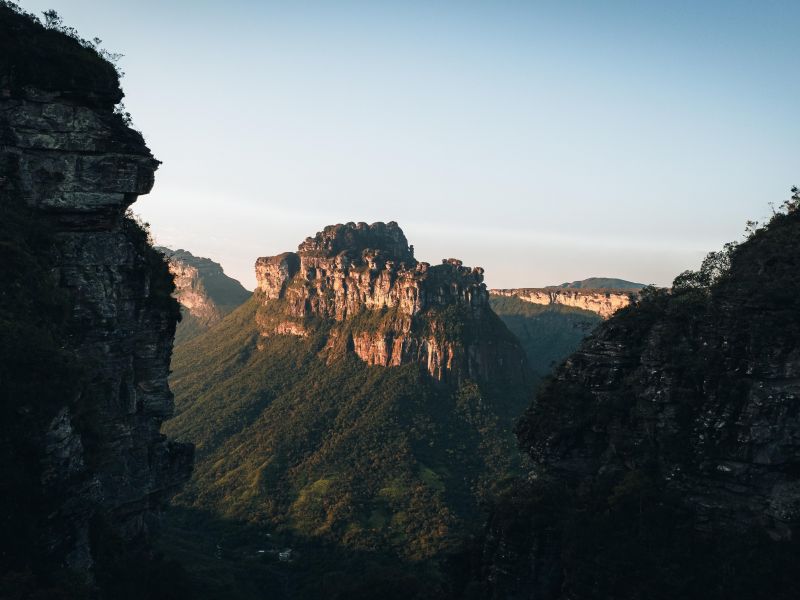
x=70 y=158
x=389 y=308
x=190 y=293
x=602 y=302
x=206 y=294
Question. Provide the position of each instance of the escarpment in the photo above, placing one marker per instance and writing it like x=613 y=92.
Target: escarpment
x=667 y=447
x=203 y=290
x=84 y=383
x=602 y=302
x=386 y=306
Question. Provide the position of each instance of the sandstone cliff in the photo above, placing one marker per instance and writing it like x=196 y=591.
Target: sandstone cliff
x=668 y=446
x=386 y=306
x=98 y=467
x=602 y=302
x=205 y=293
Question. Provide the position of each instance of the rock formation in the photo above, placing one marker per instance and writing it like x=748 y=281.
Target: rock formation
x=205 y=293
x=388 y=308
x=599 y=301
x=667 y=447
x=73 y=165
x=361 y=399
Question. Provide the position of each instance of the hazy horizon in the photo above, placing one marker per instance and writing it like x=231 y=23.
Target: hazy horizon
x=544 y=142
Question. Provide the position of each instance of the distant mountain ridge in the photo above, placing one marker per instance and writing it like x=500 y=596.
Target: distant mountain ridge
x=602 y=283
x=205 y=293
x=601 y=301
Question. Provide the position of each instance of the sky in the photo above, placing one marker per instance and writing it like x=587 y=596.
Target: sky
x=544 y=141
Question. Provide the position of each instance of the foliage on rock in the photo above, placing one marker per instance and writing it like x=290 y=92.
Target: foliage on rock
x=665 y=449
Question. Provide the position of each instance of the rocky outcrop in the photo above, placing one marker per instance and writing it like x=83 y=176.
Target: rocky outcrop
x=203 y=290
x=602 y=302
x=74 y=165
x=387 y=307
x=672 y=436
x=348 y=268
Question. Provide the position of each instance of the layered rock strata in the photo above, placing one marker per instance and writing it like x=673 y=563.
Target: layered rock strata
x=206 y=294
x=66 y=156
x=388 y=308
x=601 y=302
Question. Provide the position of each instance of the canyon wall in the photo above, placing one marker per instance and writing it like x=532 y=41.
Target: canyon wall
x=601 y=301
x=73 y=166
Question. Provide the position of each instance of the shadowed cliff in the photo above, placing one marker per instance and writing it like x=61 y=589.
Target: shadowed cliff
x=667 y=448
x=86 y=328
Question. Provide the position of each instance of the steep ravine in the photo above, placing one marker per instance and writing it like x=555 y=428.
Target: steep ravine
x=87 y=325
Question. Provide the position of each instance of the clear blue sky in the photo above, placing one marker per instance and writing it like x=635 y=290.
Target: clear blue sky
x=544 y=141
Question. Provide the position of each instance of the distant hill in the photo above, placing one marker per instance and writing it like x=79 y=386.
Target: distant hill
x=602 y=283
x=205 y=293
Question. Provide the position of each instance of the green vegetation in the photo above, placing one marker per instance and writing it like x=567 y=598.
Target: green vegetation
x=235 y=560
x=189 y=327
x=630 y=536
x=151 y=262
x=323 y=451
x=548 y=334
x=51 y=56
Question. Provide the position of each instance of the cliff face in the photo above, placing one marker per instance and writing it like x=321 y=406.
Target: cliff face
x=73 y=166
x=673 y=436
x=600 y=301
x=387 y=307
x=203 y=290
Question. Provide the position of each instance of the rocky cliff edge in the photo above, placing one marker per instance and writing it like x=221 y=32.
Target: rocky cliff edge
x=71 y=163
